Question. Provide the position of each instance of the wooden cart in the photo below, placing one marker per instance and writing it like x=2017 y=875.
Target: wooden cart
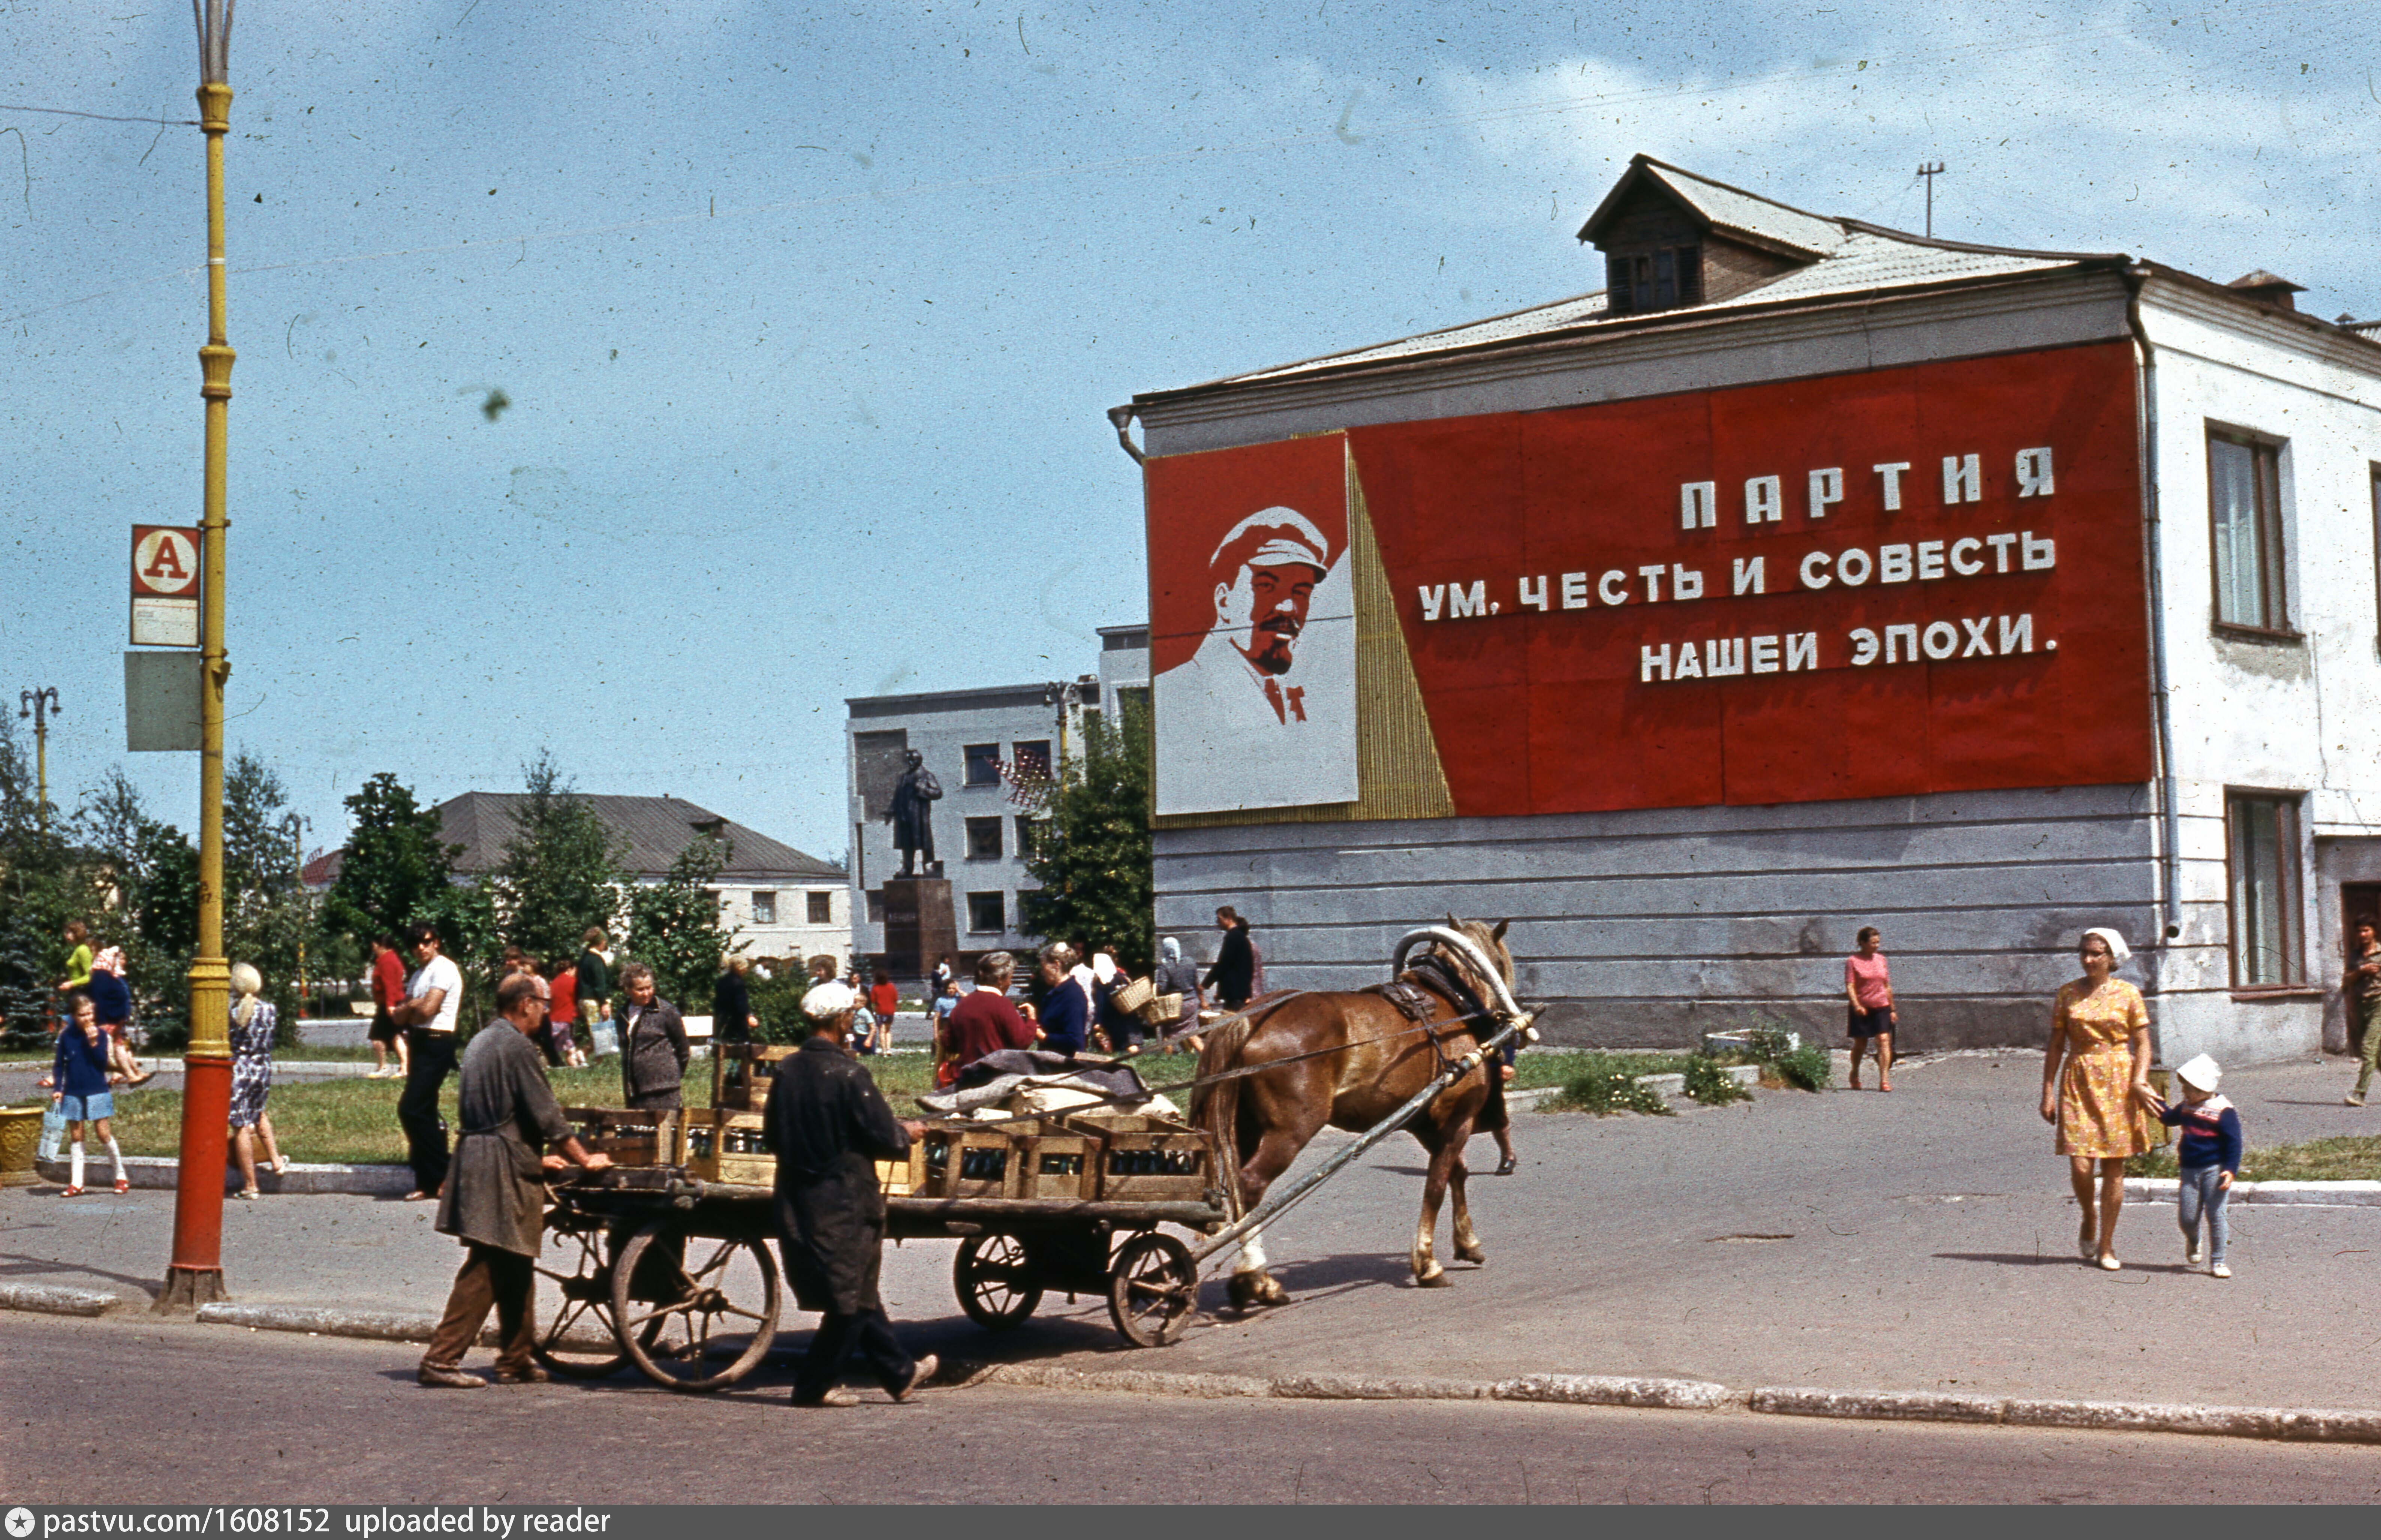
x=669 y=1263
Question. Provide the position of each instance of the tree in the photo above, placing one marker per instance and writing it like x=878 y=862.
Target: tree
x=561 y=869
x=395 y=871
x=42 y=887
x=1091 y=851
x=266 y=913
x=674 y=927
x=150 y=874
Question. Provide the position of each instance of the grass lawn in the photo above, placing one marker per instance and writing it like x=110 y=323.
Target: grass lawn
x=2352 y=1157
x=354 y=1121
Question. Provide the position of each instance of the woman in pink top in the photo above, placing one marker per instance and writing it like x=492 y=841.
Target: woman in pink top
x=1869 y=987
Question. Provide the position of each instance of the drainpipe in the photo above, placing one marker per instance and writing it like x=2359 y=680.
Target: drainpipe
x=2145 y=418
x=1122 y=417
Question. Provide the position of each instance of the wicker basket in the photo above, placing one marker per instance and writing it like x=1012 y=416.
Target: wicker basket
x=1134 y=994
x=1163 y=1012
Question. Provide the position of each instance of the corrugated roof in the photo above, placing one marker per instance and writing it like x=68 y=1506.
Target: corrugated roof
x=1848 y=256
x=1732 y=209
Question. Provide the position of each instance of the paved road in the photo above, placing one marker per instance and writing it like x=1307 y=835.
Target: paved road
x=1921 y=1241
x=114 y=1411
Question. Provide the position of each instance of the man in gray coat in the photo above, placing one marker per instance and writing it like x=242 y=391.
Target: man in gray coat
x=495 y=1197
x=827 y=1124
x=653 y=1043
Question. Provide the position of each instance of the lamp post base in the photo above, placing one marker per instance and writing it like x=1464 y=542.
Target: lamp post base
x=188 y=1288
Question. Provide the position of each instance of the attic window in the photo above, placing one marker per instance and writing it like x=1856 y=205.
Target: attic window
x=1660 y=280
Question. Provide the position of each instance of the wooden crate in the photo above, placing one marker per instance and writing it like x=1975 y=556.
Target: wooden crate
x=1056 y=1164
x=721 y=1145
x=1146 y=1160
x=741 y=1074
x=898 y=1179
x=631 y=1138
x=961 y=1161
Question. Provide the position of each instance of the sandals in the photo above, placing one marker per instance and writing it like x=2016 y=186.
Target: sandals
x=250 y=1193
x=1507 y=1167
x=71 y=1192
x=122 y=1185
x=280 y=1166
x=2110 y=1264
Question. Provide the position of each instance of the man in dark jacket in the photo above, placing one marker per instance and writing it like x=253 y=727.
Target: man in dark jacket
x=653 y=1043
x=594 y=979
x=493 y=1200
x=827 y=1124
x=1234 y=973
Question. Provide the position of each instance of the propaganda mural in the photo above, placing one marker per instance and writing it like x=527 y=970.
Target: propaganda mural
x=1900 y=581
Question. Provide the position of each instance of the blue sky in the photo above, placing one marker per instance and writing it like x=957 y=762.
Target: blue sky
x=809 y=316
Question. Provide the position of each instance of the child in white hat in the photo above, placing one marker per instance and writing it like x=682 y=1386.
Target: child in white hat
x=2210 y=1157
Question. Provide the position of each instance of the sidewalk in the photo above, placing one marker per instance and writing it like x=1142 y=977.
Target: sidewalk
x=1917 y=1242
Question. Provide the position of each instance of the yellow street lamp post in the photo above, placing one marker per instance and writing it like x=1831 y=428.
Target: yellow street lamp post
x=195 y=1275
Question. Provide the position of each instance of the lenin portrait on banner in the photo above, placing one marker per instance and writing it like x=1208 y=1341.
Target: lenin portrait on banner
x=1264 y=711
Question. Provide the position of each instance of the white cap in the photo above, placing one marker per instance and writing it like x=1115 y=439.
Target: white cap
x=1290 y=539
x=826 y=1001
x=2201 y=1073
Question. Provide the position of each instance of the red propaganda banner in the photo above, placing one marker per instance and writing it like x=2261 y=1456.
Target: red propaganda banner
x=1252 y=627
x=1908 y=581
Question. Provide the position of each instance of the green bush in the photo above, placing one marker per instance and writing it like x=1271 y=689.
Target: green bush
x=1808 y=1068
x=1606 y=1084
x=1707 y=1083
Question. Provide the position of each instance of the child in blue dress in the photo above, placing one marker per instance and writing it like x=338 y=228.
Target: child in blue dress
x=80 y=1090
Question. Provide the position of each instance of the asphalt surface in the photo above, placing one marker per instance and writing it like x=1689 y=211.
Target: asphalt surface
x=1921 y=1241
x=119 y=1411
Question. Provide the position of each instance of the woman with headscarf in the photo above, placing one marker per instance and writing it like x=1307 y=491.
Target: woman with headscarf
x=2100 y=1100
x=252 y=1025
x=1176 y=977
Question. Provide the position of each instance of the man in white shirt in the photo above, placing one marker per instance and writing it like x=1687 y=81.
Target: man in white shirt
x=433 y=996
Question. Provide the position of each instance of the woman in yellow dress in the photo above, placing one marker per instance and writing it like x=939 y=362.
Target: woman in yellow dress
x=2101 y=1102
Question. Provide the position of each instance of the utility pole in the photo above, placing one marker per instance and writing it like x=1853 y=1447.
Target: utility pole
x=41 y=705
x=1930 y=173
x=195 y=1276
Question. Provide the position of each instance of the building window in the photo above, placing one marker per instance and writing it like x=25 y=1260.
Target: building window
x=1636 y=282
x=876 y=906
x=1033 y=757
x=821 y=908
x=1029 y=838
x=2377 y=533
x=983 y=761
x=987 y=914
x=2262 y=858
x=2244 y=515
x=983 y=839
x=765 y=908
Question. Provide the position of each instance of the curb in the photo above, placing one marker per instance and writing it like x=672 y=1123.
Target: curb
x=160 y=1173
x=2295 y=1425
x=2313 y=1195
x=49 y=1298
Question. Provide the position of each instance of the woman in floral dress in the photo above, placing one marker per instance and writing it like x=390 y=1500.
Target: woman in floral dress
x=2101 y=1100
x=252 y=1027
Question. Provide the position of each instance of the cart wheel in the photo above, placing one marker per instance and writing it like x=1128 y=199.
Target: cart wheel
x=995 y=1281
x=714 y=1298
x=1152 y=1291
x=574 y=1301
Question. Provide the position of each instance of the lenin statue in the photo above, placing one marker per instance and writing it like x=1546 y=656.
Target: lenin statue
x=913 y=816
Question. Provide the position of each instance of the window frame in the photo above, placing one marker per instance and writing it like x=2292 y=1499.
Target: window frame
x=1035 y=749
x=996 y=896
x=973 y=754
x=872 y=904
x=818 y=906
x=2272 y=535
x=2373 y=468
x=970 y=828
x=2290 y=906
x=764 y=897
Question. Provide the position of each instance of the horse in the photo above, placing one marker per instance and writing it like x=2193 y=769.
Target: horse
x=1350 y=1059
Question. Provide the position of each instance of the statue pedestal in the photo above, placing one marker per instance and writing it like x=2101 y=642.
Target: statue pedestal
x=920 y=927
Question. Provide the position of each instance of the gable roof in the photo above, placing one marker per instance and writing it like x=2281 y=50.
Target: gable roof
x=1732 y=210
x=653 y=831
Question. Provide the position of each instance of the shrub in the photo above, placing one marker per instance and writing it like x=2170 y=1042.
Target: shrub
x=1807 y=1068
x=1708 y=1083
x=1606 y=1084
